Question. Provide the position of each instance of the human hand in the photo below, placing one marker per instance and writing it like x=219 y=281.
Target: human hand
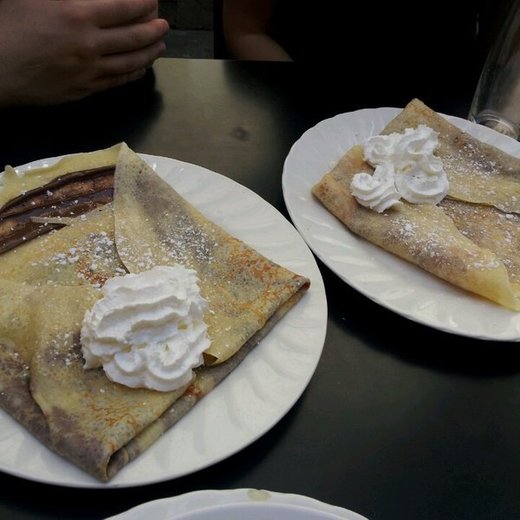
x=53 y=51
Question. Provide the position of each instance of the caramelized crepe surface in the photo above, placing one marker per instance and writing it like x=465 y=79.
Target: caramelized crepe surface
x=48 y=283
x=470 y=239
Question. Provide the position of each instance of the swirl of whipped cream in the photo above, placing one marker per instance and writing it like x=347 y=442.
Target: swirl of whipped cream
x=376 y=191
x=420 y=184
x=148 y=330
x=420 y=176
x=381 y=149
x=417 y=175
x=415 y=145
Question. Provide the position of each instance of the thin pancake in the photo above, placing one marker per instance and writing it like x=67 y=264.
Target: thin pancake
x=154 y=225
x=12 y=185
x=55 y=278
x=477 y=172
x=420 y=233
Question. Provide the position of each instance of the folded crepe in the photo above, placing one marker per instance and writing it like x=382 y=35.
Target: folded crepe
x=471 y=239
x=48 y=283
x=478 y=172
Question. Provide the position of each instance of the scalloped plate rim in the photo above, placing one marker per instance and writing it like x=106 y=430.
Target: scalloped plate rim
x=208 y=500
x=46 y=467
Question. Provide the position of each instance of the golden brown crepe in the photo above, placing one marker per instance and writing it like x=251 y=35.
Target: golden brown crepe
x=48 y=283
x=469 y=239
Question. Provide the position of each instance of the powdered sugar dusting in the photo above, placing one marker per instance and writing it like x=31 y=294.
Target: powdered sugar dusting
x=491 y=229
x=91 y=261
x=61 y=351
x=469 y=159
x=186 y=243
x=431 y=238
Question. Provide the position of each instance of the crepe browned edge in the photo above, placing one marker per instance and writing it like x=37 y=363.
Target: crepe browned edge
x=205 y=380
x=41 y=369
x=478 y=172
x=420 y=233
x=57 y=428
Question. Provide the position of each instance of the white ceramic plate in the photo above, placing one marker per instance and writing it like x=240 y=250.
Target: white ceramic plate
x=238 y=504
x=255 y=396
x=381 y=276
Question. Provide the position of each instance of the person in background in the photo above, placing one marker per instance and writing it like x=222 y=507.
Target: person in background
x=357 y=42
x=55 y=51
x=247 y=32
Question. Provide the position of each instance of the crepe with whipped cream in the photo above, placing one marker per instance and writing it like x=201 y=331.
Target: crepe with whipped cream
x=478 y=172
x=47 y=284
x=470 y=238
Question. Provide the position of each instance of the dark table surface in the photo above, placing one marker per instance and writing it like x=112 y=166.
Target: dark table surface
x=400 y=421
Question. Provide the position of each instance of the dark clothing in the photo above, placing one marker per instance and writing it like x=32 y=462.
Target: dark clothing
x=381 y=41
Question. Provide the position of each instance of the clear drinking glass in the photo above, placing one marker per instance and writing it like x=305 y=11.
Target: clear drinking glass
x=496 y=102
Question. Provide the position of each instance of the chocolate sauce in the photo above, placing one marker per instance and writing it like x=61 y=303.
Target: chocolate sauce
x=69 y=195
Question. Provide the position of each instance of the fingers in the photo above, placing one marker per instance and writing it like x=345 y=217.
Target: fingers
x=111 y=13
x=131 y=38
x=115 y=42
x=128 y=62
x=108 y=82
x=98 y=85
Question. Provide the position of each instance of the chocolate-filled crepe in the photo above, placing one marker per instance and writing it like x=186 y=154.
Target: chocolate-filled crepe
x=47 y=284
x=471 y=238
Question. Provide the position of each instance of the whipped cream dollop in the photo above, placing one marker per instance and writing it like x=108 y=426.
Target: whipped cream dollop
x=405 y=167
x=148 y=330
x=376 y=191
